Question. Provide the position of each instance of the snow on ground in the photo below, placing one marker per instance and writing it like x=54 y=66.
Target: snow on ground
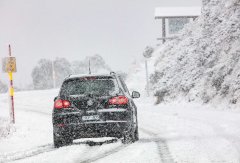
x=33 y=112
x=173 y=132
x=5 y=128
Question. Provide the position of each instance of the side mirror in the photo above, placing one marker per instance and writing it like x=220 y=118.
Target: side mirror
x=55 y=98
x=135 y=94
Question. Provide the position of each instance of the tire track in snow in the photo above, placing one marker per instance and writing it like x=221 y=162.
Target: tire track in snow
x=163 y=150
x=105 y=154
x=49 y=147
x=219 y=131
x=162 y=146
x=25 y=154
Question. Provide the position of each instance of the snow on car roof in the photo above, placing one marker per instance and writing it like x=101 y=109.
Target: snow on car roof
x=161 y=12
x=87 y=75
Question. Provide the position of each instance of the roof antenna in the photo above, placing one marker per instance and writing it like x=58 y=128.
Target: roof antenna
x=89 y=67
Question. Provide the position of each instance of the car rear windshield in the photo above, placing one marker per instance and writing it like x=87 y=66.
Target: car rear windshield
x=99 y=87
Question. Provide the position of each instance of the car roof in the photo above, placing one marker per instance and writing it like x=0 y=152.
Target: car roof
x=90 y=75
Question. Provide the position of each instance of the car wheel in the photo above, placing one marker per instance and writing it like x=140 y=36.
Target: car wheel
x=61 y=140
x=57 y=142
x=136 y=135
x=129 y=137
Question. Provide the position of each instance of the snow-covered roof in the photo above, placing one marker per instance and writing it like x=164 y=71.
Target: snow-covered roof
x=86 y=75
x=168 y=12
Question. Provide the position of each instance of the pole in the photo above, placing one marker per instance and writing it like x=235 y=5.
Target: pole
x=53 y=75
x=11 y=92
x=146 y=67
x=89 y=66
x=163 y=30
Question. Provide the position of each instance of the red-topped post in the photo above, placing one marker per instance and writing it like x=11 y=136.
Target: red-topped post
x=11 y=91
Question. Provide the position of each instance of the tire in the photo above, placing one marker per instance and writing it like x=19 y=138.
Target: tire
x=130 y=137
x=57 y=142
x=127 y=139
x=61 y=140
x=136 y=135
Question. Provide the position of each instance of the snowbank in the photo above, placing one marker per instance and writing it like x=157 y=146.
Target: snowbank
x=202 y=64
x=5 y=128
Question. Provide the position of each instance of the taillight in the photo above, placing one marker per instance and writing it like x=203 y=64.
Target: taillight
x=119 y=100
x=59 y=104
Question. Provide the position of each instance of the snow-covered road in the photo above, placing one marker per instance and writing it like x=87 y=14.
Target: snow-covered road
x=175 y=132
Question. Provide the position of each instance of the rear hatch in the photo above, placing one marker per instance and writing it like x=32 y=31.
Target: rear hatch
x=89 y=93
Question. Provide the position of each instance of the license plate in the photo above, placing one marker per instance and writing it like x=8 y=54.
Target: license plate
x=90 y=118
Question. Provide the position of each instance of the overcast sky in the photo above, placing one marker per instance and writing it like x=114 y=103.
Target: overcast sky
x=118 y=30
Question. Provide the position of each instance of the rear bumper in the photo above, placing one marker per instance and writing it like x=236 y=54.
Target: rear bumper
x=112 y=123
x=94 y=129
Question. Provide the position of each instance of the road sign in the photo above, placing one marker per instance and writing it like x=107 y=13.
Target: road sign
x=9 y=64
x=148 y=52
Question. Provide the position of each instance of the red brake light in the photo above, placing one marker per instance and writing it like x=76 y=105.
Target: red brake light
x=119 y=100
x=66 y=104
x=59 y=104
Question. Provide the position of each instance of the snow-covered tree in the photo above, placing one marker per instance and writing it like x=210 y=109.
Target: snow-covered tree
x=97 y=64
x=62 y=69
x=79 y=67
x=42 y=75
x=202 y=63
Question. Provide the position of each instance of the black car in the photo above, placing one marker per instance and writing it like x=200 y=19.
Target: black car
x=94 y=106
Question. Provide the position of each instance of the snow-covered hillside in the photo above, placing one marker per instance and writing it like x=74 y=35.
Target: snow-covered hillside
x=202 y=64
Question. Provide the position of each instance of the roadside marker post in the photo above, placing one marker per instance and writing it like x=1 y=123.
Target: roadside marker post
x=9 y=66
x=11 y=94
x=147 y=54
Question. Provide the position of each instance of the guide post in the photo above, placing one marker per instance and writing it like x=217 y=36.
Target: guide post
x=147 y=54
x=9 y=66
